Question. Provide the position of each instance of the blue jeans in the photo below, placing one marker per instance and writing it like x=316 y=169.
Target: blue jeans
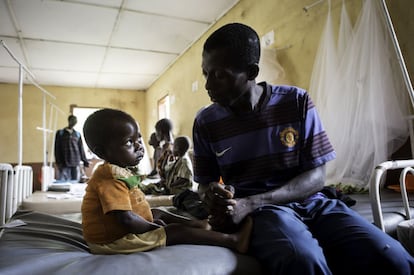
x=323 y=236
x=69 y=173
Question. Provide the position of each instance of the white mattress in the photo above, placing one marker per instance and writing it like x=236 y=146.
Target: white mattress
x=51 y=202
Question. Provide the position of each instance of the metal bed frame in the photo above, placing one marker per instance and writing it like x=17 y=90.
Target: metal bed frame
x=377 y=182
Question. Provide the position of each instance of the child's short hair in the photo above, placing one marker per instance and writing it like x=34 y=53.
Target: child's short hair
x=164 y=125
x=183 y=143
x=100 y=125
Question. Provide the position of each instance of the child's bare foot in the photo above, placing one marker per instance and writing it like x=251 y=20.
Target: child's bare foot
x=243 y=235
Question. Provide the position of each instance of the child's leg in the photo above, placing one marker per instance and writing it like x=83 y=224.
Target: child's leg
x=181 y=234
x=169 y=217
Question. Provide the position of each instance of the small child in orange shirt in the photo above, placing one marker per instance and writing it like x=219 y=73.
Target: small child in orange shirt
x=116 y=218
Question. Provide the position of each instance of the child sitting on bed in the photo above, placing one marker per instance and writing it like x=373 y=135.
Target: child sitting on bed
x=178 y=171
x=155 y=143
x=116 y=218
x=163 y=130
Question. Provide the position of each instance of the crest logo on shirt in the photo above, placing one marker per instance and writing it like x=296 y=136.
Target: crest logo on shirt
x=289 y=137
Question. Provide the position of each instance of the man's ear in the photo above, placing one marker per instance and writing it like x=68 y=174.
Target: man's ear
x=252 y=71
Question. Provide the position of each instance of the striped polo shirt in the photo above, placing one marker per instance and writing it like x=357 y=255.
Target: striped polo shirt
x=262 y=149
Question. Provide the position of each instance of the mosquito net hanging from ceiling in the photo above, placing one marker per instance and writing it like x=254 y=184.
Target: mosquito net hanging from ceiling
x=326 y=63
x=270 y=69
x=362 y=101
x=345 y=31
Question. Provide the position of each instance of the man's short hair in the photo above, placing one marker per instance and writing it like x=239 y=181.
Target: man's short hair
x=72 y=117
x=240 y=40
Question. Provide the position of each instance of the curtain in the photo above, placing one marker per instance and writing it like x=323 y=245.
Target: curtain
x=270 y=69
x=360 y=94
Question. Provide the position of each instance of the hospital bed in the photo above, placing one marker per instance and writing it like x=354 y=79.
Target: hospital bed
x=33 y=242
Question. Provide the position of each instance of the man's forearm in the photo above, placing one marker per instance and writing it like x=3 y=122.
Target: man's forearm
x=296 y=190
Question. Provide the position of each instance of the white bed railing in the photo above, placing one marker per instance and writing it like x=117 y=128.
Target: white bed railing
x=16 y=184
x=377 y=181
x=6 y=191
x=23 y=184
x=404 y=193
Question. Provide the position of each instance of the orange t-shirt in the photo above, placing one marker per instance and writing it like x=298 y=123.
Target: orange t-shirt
x=104 y=194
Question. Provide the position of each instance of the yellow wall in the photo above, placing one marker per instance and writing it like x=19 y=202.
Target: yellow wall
x=132 y=102
x=297 y=34
x=292 y=26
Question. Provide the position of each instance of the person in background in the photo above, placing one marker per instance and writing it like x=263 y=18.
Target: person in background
x=180 y=174
x=155 y=143
x=178 y=170
x=163 y=130
x=69 y=152
x=116 y=217
x=269 y=146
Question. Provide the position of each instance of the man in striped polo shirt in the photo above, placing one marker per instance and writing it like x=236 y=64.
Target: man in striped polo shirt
x=267 y=144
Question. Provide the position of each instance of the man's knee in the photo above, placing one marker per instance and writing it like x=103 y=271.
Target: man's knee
x=283 y=244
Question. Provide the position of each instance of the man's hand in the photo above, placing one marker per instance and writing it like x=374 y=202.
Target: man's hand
x=220 y=203
x=241 y=209
x=225 y=211
x=218 y=198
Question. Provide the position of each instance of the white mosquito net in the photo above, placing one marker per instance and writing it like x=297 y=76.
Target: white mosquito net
x=270 y=69
x=360 y=94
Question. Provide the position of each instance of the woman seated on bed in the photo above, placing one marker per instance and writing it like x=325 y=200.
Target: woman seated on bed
x=116 y=218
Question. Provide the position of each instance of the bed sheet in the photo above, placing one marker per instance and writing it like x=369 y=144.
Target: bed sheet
x=49 y=244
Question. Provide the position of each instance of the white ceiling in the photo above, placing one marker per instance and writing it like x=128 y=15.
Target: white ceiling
x=119 y=44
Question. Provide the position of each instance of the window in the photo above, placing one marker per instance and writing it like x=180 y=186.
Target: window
x=164 y=107
x=82 y=114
